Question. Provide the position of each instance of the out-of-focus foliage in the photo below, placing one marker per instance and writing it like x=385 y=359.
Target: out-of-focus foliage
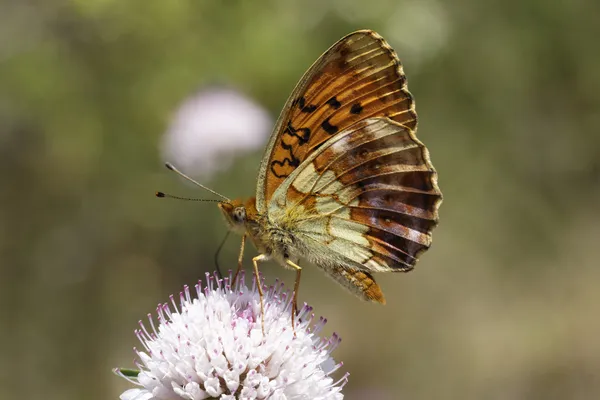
x=504 y=305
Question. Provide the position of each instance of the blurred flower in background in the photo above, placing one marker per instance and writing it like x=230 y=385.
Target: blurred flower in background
x=213 y=346
x=211 y=127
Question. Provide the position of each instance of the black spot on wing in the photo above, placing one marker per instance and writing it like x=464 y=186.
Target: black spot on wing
x=327 y=127
x=305 y=108
x=334 y=103
x=356 y=108
x=303 y=134
x=291 y=161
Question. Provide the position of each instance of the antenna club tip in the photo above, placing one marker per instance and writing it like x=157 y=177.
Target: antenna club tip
x=159 y=194
x=169 y=166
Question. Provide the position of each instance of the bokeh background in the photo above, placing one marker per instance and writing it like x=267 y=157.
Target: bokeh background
x=95 y=94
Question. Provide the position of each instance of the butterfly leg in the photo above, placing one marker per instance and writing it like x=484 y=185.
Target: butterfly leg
x=255 y=260
x=240 y=258
x=296 y=287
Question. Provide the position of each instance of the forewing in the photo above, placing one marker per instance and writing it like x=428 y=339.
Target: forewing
x=369 y=193
x=359 y=77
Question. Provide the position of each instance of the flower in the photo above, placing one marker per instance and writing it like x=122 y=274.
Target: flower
x=212 y=346
x=211 y=127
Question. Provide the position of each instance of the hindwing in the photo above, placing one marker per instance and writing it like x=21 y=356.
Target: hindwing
x=369 y=194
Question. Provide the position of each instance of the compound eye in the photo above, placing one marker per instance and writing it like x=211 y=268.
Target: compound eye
x=239 y=214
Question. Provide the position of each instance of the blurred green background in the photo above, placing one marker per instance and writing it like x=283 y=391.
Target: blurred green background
x=506 y=304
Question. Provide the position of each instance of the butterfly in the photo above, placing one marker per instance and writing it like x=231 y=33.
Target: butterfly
x=344 y=183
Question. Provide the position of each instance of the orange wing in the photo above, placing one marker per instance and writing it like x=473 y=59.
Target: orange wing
x=359 y=77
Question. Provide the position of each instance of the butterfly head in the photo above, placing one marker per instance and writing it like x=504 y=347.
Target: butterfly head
x=235 y=215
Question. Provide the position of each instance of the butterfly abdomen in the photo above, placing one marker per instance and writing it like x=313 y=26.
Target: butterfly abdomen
x=358 y=282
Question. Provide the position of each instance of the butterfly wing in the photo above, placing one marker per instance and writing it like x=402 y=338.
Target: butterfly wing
x=367 y=196
x=359 y=77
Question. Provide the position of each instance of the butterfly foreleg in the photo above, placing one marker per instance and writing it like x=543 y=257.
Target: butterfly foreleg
x=296 y=287
x=240 y=258
x=255 y=260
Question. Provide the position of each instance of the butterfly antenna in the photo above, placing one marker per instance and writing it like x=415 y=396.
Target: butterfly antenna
x=170 y=196
x=172 y=168
x=217 y=255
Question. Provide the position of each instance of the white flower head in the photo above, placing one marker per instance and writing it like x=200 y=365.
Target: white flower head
x=212 y=127
x=212 y=346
